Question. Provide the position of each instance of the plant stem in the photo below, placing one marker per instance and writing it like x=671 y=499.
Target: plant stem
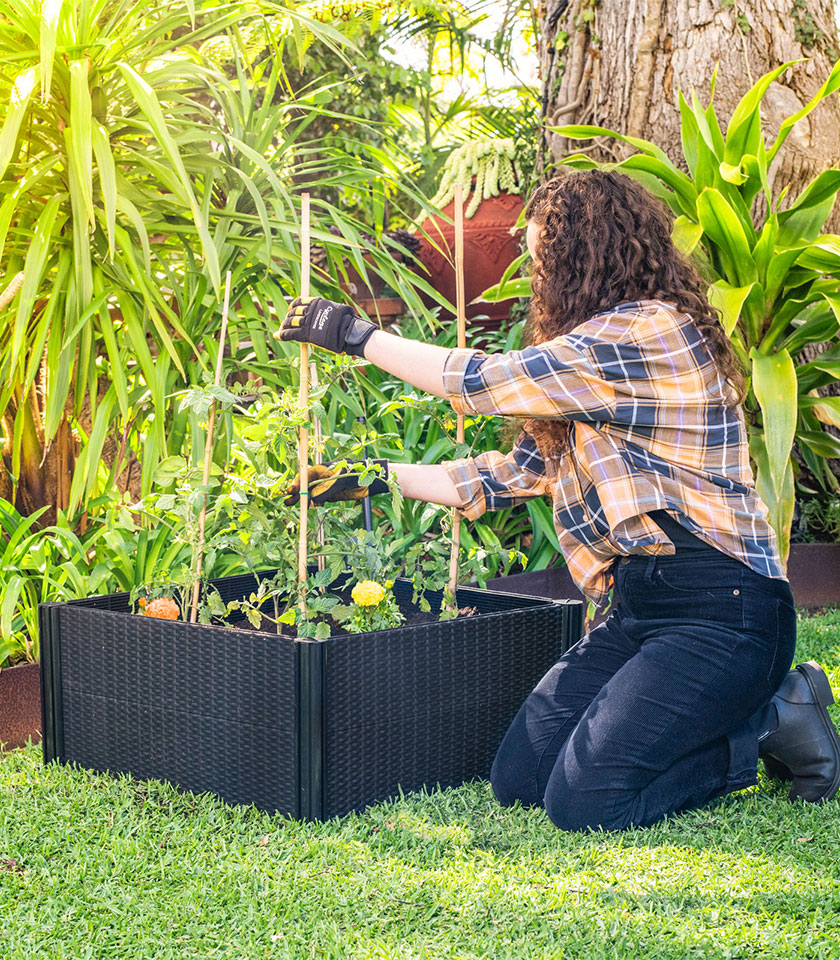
x=208 y=454
x=319 y=458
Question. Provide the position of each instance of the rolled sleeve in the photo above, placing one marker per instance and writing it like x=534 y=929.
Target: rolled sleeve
x=464 y=474
x=454 y=370
x=494 y=480
x=556 y=380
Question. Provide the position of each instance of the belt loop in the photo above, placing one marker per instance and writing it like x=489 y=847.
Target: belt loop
x=650 y=568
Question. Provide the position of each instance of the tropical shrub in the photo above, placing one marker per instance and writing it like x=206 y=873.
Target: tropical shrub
x=145 y=150
x=774 y=276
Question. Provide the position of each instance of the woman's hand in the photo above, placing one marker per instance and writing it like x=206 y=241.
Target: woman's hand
x=331 y=483
x=333 y=326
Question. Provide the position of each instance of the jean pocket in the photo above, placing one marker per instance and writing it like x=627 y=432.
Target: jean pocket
x=710 y=593
x=701 y=579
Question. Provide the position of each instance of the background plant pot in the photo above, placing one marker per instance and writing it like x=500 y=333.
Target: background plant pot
x=309 y=728
x=553 y=582
x=814 y=574
x=20 y=705
x=489 y=248
x=813 y=571
x=384 y=309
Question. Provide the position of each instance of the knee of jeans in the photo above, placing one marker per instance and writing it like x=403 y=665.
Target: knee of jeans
x=574 y=805
x=510 y=782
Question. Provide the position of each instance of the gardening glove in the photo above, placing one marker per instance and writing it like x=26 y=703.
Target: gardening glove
x=328 y=483
x=332 y=326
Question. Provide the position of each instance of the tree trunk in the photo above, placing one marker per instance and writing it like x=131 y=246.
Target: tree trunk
x=620 y=64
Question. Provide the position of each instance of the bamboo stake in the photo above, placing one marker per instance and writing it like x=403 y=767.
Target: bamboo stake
x=208 y=454
x=460 y=303
x=318 y=457
x=303 y=448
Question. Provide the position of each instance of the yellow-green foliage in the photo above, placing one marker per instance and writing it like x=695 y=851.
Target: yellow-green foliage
x=492 y=164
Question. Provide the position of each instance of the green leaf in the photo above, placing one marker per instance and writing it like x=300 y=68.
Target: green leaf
x=21 y=95
x=823 y=444
x=686 y=235
x=825 y=409
x=148 y=103
x=518 y=287
x=831 y=85
x=43 y=243
x=50 y=14
x=817 y=326
x=730 y=301
x=107 y=180
x=776 y=389
x=780 y=506
x=11 y=594
x=586 y=132
x=804 y=218
x=743 y=134
x=822 y=255
x=724 y=229
x=168 y=470
x=732 y=173
x=81 y=123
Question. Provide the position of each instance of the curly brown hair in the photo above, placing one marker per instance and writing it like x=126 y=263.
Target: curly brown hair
x=604 y=240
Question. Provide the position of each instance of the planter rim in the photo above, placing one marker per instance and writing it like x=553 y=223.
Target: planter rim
x=528 y=602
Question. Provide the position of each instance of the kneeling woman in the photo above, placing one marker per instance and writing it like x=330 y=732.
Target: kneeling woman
x=629 y=395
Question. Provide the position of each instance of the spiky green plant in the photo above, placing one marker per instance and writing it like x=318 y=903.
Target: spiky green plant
x=140 y=159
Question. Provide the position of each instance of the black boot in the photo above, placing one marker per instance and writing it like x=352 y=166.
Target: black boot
x=804 y=747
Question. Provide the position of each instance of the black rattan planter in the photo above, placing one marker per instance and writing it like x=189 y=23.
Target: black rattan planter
x=312 y=729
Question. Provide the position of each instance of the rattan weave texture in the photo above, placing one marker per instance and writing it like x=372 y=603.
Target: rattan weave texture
x=431 y=709
x=199 y=706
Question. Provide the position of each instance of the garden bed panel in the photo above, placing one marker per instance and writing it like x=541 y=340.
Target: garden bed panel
x=167 y=700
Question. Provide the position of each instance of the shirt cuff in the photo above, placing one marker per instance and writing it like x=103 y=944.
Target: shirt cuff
x=454 y=370
x=464 y=474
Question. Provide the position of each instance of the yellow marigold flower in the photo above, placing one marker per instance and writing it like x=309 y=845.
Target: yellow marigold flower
x=368 y=593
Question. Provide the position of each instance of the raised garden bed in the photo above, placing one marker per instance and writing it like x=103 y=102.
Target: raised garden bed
x=312 y=729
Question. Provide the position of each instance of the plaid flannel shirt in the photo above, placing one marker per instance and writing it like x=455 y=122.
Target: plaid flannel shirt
x=650 y=430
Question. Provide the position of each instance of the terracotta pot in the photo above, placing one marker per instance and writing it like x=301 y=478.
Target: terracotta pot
x=385 y=309
x=20 y=705
x=489 y=248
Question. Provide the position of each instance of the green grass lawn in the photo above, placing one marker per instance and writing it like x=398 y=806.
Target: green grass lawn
x=93 y=867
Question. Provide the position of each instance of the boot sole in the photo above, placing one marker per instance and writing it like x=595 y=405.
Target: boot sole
x=824 y=696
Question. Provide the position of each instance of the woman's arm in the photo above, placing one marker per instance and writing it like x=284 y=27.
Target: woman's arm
x=490 y=481
x=428 y=482
x=420 y=364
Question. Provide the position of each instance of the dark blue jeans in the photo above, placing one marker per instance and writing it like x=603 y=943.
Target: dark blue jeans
x=658 y=709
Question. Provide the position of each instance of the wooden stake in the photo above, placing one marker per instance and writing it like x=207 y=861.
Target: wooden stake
x=303 y=448
x=318 y=457
x=208 y=454
x=460 y=303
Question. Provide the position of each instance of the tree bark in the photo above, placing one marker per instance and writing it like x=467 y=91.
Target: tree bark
x=620 y=64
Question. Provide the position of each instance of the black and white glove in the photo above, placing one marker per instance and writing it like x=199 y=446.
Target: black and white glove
x=332 y=326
